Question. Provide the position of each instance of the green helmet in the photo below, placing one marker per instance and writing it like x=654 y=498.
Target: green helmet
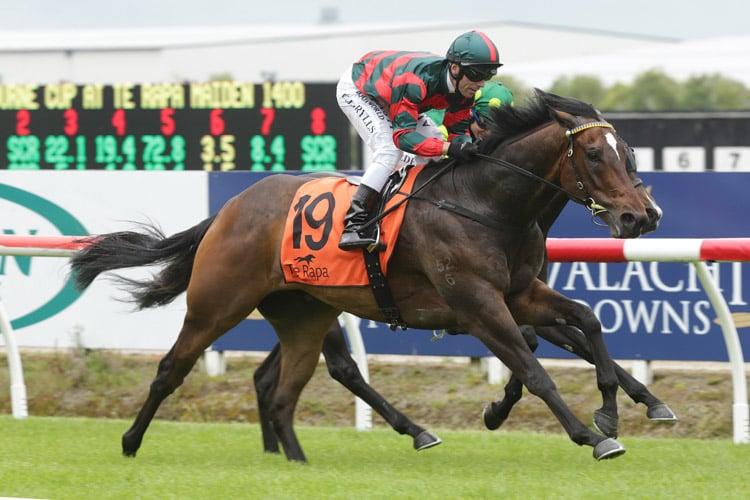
x=492 y=95
x=474 y=48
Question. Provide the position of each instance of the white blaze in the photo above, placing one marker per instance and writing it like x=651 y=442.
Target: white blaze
x=612 y=142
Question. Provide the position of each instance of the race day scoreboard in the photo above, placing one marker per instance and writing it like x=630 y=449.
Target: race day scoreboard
x=213 y=126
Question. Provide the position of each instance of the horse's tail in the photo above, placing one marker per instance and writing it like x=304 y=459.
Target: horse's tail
x=126 y=249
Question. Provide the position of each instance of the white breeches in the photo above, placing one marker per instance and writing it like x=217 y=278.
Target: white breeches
x=374 y=126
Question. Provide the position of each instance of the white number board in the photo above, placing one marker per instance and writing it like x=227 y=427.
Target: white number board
x=644 y=159
x=684 y=159
x=731 y=159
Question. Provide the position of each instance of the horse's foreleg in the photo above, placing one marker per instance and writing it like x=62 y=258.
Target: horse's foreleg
x=265 y=379
x=519 y=358
x=344 y=370
x=571 y=339
x=493 y=324
x=540 y=305
x=497 y=412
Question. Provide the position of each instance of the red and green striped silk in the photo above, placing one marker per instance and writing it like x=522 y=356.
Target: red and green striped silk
x=407 y=84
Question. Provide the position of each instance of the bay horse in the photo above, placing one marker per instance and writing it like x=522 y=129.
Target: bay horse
x=342 y=367
x=471 y=268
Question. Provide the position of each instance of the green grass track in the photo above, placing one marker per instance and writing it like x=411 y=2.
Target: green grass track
x=43 y=457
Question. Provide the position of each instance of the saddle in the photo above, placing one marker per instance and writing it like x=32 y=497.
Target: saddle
x=309 y=248
x=309 y=251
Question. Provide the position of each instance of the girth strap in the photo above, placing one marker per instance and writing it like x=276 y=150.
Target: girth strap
x=381 y=290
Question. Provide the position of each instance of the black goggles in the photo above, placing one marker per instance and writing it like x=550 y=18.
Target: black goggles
x=481 y=122
x=478 y=74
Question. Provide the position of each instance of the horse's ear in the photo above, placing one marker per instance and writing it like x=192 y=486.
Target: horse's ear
x=542 y=97
x=565 y=119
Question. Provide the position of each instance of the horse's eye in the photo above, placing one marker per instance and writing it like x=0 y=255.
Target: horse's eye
x=594 y=155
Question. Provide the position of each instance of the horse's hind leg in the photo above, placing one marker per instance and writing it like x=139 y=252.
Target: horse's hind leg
x=265 y=379
x=171 y=372
x=300 y=355
x=344 y=369
x=196 y=335
x=132 y=439
x=301 y=323
x=219 y=296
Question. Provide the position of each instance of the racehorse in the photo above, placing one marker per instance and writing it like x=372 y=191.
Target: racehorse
x=467 y=258
x=344 y=369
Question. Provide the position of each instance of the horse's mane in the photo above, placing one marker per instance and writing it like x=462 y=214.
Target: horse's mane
x=512 y=121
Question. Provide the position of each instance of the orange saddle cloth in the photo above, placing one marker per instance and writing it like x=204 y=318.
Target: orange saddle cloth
x=309 y=248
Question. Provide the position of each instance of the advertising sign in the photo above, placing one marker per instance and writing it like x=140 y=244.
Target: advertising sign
x=649 y=310
x=44 y=307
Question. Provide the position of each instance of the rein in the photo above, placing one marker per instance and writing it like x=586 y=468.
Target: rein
x=587 y=202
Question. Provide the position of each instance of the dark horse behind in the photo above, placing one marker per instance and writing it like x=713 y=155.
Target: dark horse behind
x=475 y=274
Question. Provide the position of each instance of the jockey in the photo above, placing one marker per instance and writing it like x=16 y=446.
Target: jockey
x=383 y=95
x=493 y=95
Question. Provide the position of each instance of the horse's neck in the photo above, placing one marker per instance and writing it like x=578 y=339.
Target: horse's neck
x=551 y=212
x=503 y=194
x=527 y=197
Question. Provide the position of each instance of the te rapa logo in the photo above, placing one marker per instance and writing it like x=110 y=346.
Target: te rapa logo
x=62 y=221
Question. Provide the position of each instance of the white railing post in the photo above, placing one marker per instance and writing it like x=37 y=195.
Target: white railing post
x=363 y=412
x=643 y=372
x=18 y=399
x=741 y=417
x=497 y=372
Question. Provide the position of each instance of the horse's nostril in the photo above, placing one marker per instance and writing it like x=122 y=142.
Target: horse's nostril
x=628 y=220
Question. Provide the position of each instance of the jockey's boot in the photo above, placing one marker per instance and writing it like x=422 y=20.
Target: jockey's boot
x=357 y=215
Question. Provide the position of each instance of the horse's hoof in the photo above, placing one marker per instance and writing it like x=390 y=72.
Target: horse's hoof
x=426 y=439
x=491 y=420
x=130 y=445
x=661 y=413
x=609 y=448
x=605 y=424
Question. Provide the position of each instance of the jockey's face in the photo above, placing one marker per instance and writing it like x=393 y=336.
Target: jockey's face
x=464 y=85
x=478 y=132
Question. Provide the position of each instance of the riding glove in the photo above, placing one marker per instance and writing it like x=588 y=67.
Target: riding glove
x=463 y=150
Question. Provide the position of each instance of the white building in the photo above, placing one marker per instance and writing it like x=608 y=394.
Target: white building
x=536 y=54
